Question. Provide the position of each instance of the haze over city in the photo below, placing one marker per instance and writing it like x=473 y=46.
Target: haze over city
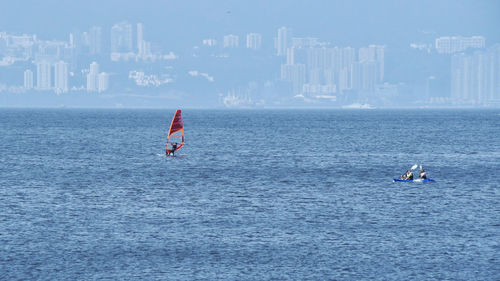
x=250 y=54
x=249 y=140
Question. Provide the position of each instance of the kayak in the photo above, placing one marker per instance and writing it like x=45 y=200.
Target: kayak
x=416 y=180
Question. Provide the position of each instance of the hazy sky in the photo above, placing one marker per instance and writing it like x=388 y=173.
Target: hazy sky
x=182 y=23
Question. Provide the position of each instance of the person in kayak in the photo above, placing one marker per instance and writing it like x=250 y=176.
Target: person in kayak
x=422 y=174
x=408 y=175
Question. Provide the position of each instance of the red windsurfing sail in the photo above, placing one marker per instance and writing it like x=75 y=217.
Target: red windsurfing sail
x=175 y=139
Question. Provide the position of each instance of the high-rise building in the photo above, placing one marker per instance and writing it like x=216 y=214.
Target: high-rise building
x=103 y=82
x=121 y=38
x=317 y=58
x=95 y=39
x=254 y=41
x=343 y=80
x=366 y=54
x=209 y=42
x=308 y=42
x=283 y=41
x=475 y=78
x=231 y=41
x=336 y=59
x=28 y=79
x=315 y=76
x=94 y=68
x=61 y=77
x=356 y=81
x=43 y=75
x=380 y=54
x=139 y=39
x=92 y=77
x=290 y=56
x=296 y=74
x=369 y=75
x=348 y=57
x=373 y=54
x=454 y=44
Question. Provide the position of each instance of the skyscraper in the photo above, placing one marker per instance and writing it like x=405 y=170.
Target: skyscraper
x=296 y=74
x=290 y=56
x=475 y=78
x=61 y=77
x=380 y=54
x=103 y=82
x=139 y=39
x=121 y=38
x=94 y=37
x=94 y=68
x=254 y=41
x=231 y=41
x=92 y=77
x=28 y=79
x=283 y=41
x=454 y=44
x=43 y=75
x=209 y=42
x=343 y=80
x=348 y=57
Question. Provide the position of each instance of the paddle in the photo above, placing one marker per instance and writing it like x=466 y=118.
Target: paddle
x=414 y=167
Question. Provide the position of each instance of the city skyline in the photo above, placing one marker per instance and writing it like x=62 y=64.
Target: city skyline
x=263 y=67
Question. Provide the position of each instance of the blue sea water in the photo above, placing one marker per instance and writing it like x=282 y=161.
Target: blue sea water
x=253 y=195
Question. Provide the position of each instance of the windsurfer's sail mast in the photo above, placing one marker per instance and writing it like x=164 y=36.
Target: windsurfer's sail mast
x=176 y=132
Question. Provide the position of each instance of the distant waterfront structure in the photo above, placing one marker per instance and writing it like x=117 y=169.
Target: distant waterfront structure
x=94 y=67
x=283 y=41
x=209 y=42
x=97 y=82
x=121 y=38
x=329 y=70
x=92 y=77
x=231 y=41
x=343 y=80
x=28 y=79
x=61 y=77
x=348 y=57
x=43 y=76
x=290 y=56
x=454 y=44
x=15 y=48
x=94 y=40
x=371 y=59
x=307 y=42
x=296 y=74
x=103 y=82
x=380 y=55
x=366 y=54
x=140 y=44
x=254 y=41
x=475 y=78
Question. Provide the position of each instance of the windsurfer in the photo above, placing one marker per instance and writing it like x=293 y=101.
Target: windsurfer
x=172 y=151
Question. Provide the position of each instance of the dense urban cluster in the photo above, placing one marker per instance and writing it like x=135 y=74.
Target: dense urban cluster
x=306 y=69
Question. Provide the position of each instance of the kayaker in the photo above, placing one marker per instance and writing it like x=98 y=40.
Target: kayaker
x=409 y=175
x=422 y=174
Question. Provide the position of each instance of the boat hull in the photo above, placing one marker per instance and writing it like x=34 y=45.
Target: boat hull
x=416 y=180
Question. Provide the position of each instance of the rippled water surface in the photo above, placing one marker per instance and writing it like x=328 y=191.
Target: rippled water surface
x=253 y=195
